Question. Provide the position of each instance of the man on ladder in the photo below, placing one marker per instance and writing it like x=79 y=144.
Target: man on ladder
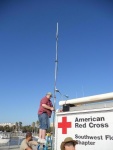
x=44 y=113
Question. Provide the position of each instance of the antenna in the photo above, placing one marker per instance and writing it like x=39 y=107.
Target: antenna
x=56 y=70
x=56 y=66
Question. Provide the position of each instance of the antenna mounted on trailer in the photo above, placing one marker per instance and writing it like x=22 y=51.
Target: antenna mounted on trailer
x=56 y=70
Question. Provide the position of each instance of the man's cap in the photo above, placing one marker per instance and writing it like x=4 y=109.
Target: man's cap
x=49 y=93
x=66 y=140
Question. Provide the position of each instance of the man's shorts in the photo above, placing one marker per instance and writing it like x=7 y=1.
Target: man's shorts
x=44 y=121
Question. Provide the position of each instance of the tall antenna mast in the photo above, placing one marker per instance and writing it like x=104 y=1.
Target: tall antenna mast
x=56 y=70
x=56 y=65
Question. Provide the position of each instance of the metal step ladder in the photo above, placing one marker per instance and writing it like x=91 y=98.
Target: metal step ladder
x=48 y=144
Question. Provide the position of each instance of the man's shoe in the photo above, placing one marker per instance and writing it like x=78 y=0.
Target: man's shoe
x=43 y=141
x=39 y=140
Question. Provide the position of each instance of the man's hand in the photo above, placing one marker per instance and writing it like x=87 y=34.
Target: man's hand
x=48 y=107
x=52 y=109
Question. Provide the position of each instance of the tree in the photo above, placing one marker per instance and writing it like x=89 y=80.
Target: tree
x=7 y=128
x=37 y=126
x=26 y=129
x=33 y=127
x=16 y=124
x=20 y=125
x=12 y=128
x=2 y=128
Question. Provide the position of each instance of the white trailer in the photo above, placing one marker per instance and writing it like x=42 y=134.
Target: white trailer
x=89 y=120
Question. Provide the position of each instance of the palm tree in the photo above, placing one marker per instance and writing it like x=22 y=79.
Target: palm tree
x=13 y=128
x=33 y=126
x=16 y=124
x=20 y=125
x=37 y=125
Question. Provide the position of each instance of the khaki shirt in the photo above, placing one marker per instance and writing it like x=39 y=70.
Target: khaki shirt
x=26 y=144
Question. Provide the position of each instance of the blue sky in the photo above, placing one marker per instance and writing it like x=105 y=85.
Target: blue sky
x=28 y=48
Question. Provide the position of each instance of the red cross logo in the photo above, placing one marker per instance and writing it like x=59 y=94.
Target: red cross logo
x=64 y=125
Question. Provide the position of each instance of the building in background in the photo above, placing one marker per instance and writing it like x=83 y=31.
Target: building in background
x=5 y=124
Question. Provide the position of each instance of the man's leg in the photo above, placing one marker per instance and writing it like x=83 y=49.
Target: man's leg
x=40 y=133
x=43 y=133
x=40 y=128
x=44 y=125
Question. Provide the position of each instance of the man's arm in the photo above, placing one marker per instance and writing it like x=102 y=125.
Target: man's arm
x=48 y=107
x=24 y=145
x=28 y=148
x=33 y=143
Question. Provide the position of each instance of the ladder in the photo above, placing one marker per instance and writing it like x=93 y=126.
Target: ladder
x=47 y=145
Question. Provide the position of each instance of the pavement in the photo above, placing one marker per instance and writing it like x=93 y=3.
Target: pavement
x=14 y=147
x=9 y=147
x=17 y=147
